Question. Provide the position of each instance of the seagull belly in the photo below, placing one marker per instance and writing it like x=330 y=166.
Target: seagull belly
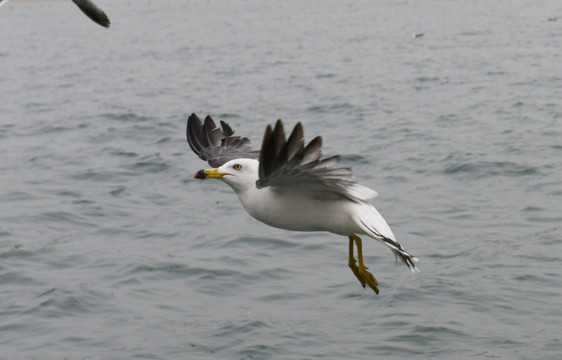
x=301 y=213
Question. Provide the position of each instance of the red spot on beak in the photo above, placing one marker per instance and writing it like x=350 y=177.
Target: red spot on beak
x=200 y=175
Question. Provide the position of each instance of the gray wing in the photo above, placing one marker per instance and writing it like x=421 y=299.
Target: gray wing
x=93 y=12
x=217 y=145
x=289 y=165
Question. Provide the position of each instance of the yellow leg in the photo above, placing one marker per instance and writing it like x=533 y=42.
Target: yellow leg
x=364 y=277
x=352 y=263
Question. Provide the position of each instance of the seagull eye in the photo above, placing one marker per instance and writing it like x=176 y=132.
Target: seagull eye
x=237 y=166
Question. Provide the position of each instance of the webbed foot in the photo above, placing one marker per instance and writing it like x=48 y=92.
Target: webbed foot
x=364 y=276
x=360 y=272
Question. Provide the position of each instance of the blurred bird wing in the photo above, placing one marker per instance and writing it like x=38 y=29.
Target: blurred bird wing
x=93 y=12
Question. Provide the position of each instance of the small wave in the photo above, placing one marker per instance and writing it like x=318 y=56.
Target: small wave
x=92 y=175
x=176 y=270
x=475 y=33
x=339 y=108
x=258 y=351
x=16 y=278
x=228 y=116
x=238 y=328
x=123 y=153
x=63 y=217
x=261 y=242
x=326 y=76
x=283 y=296
x=355 y=159
x=491 y=168
x=424 y=79
x=128 y=117
x=150 y=164
x=68 y=302
x=16 y=196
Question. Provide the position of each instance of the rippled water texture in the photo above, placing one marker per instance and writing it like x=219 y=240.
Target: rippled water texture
x=110 y=250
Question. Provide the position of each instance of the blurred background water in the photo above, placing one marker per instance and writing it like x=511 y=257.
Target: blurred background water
x=110 y=250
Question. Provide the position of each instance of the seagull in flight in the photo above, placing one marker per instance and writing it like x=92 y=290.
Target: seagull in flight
x=88 y=8
x=291 y=186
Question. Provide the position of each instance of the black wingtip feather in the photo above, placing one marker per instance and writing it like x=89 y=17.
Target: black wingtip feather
x=272 y=156
x=226 y=129
x=211 y=132
x=278 y=137
x=193 y=133
x=295 y=143
x=216 y=145
x=265 y=153
x=278 y=151
x=313 y=151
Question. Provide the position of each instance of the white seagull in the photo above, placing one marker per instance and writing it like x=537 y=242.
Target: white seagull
x=289 y=186
x=88 y=8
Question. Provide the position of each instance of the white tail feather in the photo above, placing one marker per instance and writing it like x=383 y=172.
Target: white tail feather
x=374 y=225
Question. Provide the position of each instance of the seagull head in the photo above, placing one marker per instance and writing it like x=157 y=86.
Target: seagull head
x=240 y=174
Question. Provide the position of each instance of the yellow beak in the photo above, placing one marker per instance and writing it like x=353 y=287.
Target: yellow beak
x=209 y=174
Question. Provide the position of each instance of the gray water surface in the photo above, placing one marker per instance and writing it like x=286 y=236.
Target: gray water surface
x=109 y=249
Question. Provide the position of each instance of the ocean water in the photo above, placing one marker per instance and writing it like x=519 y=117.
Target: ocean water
x=109 y=249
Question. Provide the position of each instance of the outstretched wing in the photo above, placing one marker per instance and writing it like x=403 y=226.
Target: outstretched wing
x=93 y=12
x=289 y=165
x=217 y=145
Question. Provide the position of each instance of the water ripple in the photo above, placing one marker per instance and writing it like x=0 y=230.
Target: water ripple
x=481 y=169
